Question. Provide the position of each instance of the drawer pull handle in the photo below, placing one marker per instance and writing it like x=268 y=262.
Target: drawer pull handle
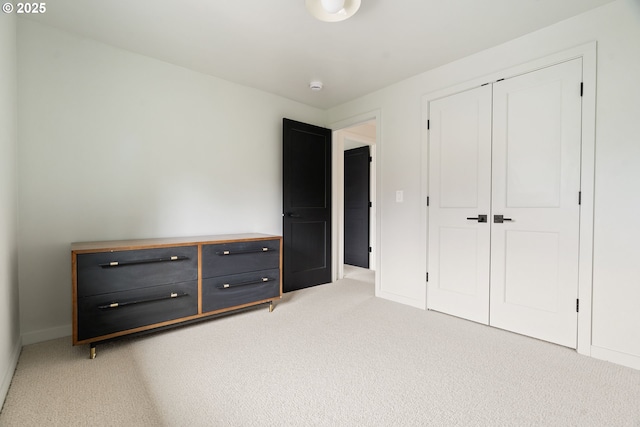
x=143 y=261
x=150 y=299
x=251 y=251
x=250 y=282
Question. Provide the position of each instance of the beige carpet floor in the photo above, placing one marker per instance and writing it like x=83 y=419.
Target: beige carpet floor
x=332 y=355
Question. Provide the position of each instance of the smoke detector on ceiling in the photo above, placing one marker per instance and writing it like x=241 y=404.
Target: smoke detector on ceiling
x=315 y=86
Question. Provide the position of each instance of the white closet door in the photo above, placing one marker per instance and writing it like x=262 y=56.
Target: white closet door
x=459 y=188
x=536 y=180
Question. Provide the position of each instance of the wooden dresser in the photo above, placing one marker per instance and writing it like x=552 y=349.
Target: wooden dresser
x=132 y=286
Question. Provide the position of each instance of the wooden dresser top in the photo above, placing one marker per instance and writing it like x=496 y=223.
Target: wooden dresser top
x=122 y=245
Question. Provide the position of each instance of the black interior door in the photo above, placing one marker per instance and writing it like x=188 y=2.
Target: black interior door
x=306 y=228
x=356 y=206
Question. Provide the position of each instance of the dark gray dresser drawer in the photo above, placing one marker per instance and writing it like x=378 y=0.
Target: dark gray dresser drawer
x=106 y=272
x=238 y=289
x=230 y=258
x=105 y=314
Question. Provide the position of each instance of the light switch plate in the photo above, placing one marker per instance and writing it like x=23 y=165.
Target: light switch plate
x=399 y=196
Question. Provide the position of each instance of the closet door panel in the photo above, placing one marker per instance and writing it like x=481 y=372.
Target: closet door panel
x=535 y=186
x=531 y=269
x=459 y=190
x=533 y=146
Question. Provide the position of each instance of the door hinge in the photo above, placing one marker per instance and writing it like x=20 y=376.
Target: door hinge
x=370 y=249
x=581 y=88
x=370 y=159
x=370 y=204
x=427 y=200
x=577 y=305
x=428 y=125
x=427 y=276
x=579 y=197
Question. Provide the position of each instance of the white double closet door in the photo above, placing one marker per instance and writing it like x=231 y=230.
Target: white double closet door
x=510 y=150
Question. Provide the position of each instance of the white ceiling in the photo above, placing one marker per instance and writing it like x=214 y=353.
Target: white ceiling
x=276 y=46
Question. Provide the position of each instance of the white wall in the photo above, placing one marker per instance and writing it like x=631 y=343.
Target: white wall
x=616 y=268
x=9 y=326
x=114 y=145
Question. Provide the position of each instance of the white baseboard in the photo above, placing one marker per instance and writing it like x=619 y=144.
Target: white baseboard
x=401 y=299
x=624 y=359
x=46 y=335
x=8 y=374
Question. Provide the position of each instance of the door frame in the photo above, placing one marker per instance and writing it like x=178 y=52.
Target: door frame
x=339 y=128
x=588 y=53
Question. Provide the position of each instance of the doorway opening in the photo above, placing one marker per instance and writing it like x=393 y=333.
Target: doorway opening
x=354 y=139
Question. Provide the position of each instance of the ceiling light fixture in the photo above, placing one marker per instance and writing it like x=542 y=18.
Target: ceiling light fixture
x=332 y=10
x=332 y=6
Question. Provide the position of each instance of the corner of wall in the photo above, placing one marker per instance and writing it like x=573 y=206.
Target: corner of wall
x=46 y=335
x=7 y=375
x=10 y=340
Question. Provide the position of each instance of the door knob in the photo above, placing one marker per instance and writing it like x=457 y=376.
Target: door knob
x=499 y=219
x=479 y=218
x=291 y=215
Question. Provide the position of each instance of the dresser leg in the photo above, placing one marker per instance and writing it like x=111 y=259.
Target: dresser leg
x=92 y=351
x=270 y=306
